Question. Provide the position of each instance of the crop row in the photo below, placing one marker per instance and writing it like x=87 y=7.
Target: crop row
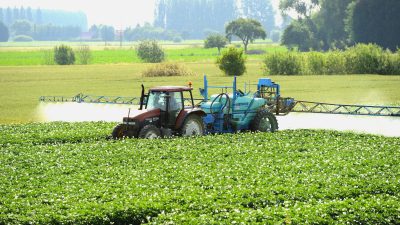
x=298 y=177
x=53 y=133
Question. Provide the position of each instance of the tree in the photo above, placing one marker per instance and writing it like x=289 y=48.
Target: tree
x=383 y=29
x=22 y=27
x=148 y=32
x=330 y=23
x=275 y=36
x=64 y=55
x=245 y=29
x=15 y=14
x=215 y=41
x=39 y=19
x=325 y=19
x=50 y=32
x=191 y=18
x=8 y=19
x=22 y=13
x=29 y=14
x=1 y=15
x=298 y=35
x=94 y=31
x=260 y=10
x=4 y=33
x=150 y=51
x=107 y=33
x=232 y=62
x=160 y=14
x=303 y=8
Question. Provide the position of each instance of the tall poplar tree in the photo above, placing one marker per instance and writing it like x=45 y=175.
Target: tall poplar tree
x=260 y=10
x=1 y=15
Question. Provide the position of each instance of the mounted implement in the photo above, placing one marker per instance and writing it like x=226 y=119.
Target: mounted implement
x=171 y=111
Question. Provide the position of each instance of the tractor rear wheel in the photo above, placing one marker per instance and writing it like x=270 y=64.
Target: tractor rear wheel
x=193 y=126
x=121 y=131
x=264 y=121
x=150 y=132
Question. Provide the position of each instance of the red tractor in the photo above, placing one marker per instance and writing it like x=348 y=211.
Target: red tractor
x=165 y=111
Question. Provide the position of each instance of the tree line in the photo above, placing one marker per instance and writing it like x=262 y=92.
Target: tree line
x=196 y=19
x=43 y=16
x=40 y=24
x=337 y=24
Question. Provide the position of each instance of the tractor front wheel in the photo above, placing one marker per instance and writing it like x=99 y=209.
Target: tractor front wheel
x=150 y=132
x=121 y=131
x=193 y=126
x=264 y=121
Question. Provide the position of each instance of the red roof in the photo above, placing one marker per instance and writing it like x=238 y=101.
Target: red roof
x=171 y=88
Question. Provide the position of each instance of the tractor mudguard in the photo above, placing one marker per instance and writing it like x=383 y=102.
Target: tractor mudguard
x=185 y=113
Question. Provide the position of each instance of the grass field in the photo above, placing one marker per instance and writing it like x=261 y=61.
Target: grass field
x=21 y=86
x=110 y=55
x=67 y=173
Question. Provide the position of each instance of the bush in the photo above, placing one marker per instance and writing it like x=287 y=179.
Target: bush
x=84 y=54
x=64 y=55
x=315 y=63
x=150 y=51
x=363 y=59
x=360 y=59
x=232 y=62
x=335 y=62
x=283 y=63
x=177 y=39
x=48 y=57
x=396 y=63
x=23 y=38
x=167 y=70
x=389 y=63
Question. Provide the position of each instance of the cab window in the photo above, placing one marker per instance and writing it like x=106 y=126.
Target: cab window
x=157 y=100
x=175 y=101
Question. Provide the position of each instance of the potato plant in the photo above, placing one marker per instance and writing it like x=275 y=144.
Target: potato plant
x=62 y=173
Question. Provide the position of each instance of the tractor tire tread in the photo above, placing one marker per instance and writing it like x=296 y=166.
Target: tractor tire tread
x=254 y=126
x=192 y=117
x=143 y=132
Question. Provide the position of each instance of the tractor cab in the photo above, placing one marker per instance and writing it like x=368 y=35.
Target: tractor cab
x=171 y=100
x=164 y=111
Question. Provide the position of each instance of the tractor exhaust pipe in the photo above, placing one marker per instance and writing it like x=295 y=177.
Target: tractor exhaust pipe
x=142 y=98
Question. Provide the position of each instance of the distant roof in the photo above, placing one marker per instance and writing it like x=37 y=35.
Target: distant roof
x=171 y=88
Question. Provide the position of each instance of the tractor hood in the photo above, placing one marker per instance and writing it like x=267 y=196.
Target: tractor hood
x=141 y=115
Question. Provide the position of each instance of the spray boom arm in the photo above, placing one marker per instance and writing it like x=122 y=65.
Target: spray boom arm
x=266 y=89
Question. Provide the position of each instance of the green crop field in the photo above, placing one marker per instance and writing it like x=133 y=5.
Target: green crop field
x=72 y=173
x=36 y=53
x=69 y=173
